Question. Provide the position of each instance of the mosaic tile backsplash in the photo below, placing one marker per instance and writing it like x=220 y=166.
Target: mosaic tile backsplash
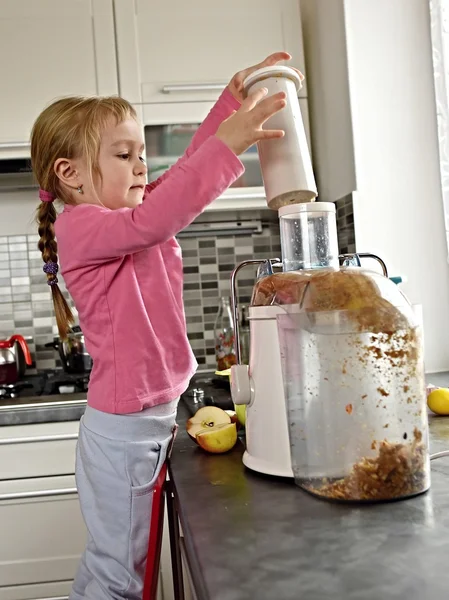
x=345 y=225
x=25 y=299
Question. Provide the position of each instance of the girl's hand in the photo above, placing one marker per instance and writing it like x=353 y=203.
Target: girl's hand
x=236 y=84
x=244 y=127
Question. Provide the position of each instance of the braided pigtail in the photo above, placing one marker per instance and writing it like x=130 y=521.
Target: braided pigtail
x=69 y=128
x=46 y=216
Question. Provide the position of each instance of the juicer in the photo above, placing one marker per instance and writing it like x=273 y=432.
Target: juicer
x=308 y=242
x=291 y=189
x=307 y=309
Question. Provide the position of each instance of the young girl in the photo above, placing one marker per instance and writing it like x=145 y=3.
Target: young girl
x=123 y=269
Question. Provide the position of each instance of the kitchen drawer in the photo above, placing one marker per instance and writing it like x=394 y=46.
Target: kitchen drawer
x=40 y=450
x=36 y=74
x=43 y=534
x=56 y=590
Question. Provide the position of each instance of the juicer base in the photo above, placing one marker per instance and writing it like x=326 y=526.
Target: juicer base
x=265 y=467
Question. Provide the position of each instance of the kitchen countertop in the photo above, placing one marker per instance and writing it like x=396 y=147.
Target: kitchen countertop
x=254 y=537
x=42 y=409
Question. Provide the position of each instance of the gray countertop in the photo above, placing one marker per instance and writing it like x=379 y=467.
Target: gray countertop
x=252 y=537
x=42 y=409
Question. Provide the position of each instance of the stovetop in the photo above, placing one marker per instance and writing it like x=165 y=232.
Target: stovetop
x=45 y=383
x=57 y=396
x=207 y=389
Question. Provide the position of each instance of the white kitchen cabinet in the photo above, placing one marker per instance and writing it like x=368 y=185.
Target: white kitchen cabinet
x=189 y=590
x=55 y=590
x=43 y=534
x=51 y=48
x=177 y=51
x=40 y=450
x=165 y=588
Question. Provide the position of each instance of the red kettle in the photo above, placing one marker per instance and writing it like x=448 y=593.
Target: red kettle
x=14 y=354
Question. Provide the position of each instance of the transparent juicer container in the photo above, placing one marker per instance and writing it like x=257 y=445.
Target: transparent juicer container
x=356 y=406
x=352 y=364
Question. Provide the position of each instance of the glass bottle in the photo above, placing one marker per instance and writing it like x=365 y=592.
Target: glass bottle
x=224 y=336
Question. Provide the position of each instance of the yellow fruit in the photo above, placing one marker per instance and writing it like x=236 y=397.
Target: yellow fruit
x=240 y=410
x=438 y=401
x=218 y=439
x=207 y=416
x=225 y=373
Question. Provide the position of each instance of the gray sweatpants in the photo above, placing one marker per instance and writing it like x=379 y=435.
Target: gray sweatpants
x=118 y=460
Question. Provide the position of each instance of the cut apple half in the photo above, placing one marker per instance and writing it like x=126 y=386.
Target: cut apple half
x=233 y=416
x=206 y=418
x=218 y=439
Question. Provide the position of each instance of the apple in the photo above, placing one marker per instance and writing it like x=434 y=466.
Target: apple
x=218 y=439
x=234 y=418
x=206 y=417
x=240 y=411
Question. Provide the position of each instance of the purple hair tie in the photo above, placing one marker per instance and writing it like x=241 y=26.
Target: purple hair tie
x=46 y=196
x=51 y=268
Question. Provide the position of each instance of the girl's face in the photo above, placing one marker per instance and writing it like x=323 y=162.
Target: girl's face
x=122 y=165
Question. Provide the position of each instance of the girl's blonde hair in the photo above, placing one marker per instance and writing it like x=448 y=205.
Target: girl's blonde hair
x=69 y=128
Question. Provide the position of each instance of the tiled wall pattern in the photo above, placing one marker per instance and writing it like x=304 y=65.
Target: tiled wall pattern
x=208 y=263
x=25 y=298
x=345 y=225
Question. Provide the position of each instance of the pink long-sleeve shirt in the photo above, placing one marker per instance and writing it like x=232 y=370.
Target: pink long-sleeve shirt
x=123 y=269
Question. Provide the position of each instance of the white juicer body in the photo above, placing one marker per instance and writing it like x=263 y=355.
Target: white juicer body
x=261 y=388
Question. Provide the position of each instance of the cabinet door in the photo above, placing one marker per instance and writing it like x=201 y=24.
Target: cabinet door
x=51 y=48
x=178 y=51
x=38 y=450
x=189 y=590
x=54 y=590
x=43 y=533
x=166 y=573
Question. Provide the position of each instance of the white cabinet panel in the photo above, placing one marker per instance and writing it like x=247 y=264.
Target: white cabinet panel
x=43 y=534
x=56 y=590
x=179 y=51
x=40 y=450
x=51 y=48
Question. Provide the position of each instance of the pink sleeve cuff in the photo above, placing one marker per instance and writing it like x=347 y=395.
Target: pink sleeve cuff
x=228 y=99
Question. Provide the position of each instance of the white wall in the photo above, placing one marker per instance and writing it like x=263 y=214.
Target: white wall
x=398 y=206
x=17 y=212
x=381 y=52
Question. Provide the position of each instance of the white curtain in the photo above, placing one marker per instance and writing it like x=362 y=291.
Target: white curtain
x=439 y=20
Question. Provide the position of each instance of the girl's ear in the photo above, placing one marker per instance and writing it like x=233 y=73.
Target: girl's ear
x=66 y=171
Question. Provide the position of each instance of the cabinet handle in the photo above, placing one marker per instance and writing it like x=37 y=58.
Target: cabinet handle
x=193 y=87
x=42 y=438
x=38 y=494
x=18 y=145
x=244 y=196
x=54 y=598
